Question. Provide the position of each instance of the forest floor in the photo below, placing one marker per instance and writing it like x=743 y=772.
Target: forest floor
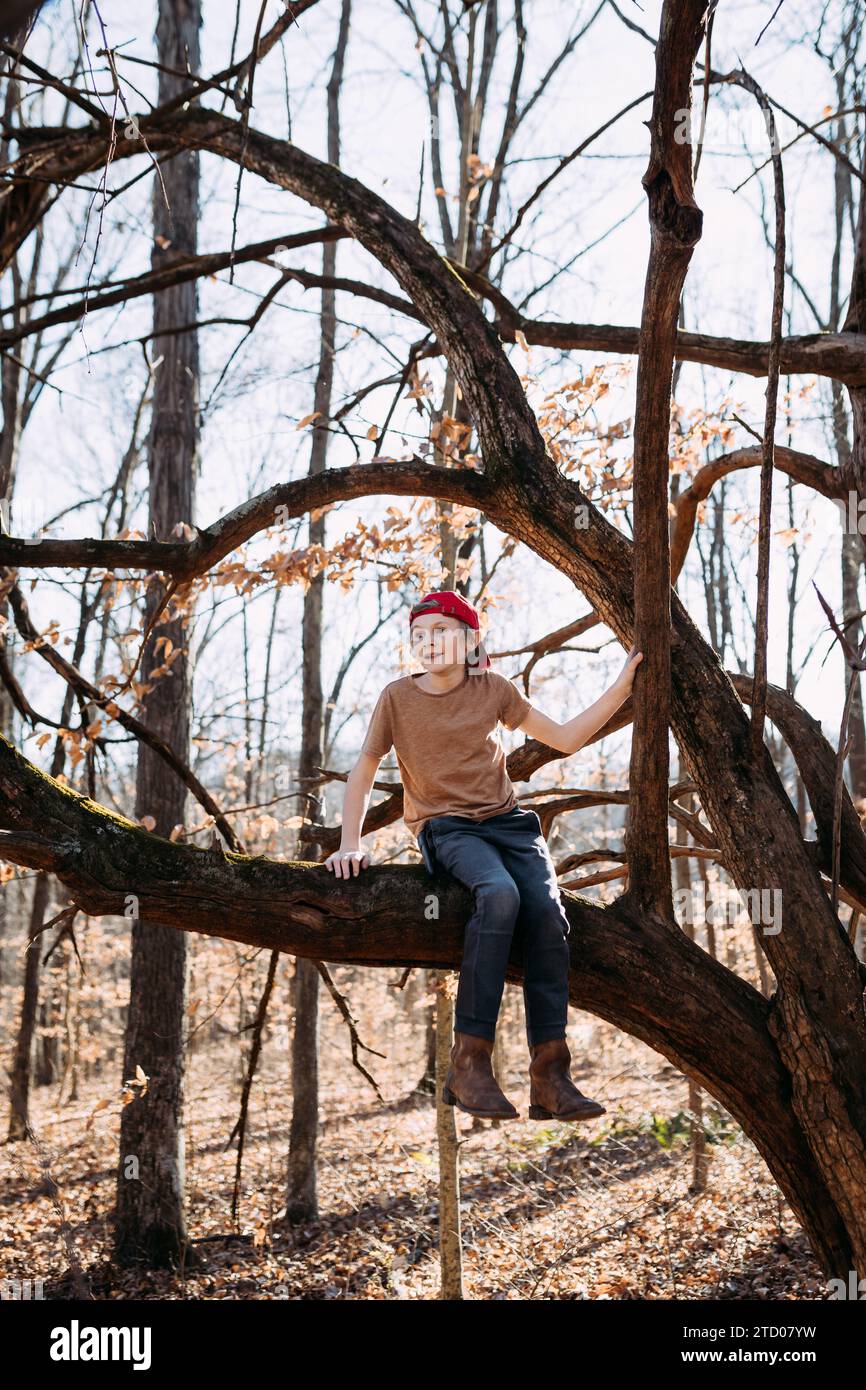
x=599 y=1210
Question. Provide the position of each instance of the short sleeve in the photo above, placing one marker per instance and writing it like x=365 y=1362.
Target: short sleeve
x=513 y=707
x=379 y=737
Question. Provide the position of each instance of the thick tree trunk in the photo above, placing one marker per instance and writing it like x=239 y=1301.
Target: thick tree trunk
x=792 y=1069
x=675 y=227
x=638 y=974
x=301 y=1202
x=818 y=1011
x=11 y=374
x=150 y=1219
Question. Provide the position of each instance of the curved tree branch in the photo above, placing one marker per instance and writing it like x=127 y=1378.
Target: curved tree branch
x=654 y=983
x=817 y=1012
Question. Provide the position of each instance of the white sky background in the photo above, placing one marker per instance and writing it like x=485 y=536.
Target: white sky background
x=73 y=445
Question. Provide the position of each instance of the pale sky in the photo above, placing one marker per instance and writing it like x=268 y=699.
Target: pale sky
x=597 y=208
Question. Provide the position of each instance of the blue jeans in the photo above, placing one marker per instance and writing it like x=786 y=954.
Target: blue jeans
x=506 y=864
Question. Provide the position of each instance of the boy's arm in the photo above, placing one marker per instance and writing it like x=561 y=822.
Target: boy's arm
x=349 y=859
x=572 y=735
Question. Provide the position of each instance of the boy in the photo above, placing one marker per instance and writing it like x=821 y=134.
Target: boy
x=460 y=804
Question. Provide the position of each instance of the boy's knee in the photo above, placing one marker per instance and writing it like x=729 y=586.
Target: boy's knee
x=499 y=898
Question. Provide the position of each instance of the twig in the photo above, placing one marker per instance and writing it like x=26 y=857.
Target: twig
x=343 y=1007
x=759 y=689
x=240 y=1127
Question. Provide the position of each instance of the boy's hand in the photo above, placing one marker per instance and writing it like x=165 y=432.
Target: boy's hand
x=347 y=863
x=625 y=679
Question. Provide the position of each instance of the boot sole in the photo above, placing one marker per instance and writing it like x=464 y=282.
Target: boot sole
x=539 y=1112
x=449 y=1098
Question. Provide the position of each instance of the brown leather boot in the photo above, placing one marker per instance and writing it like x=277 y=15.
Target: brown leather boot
x=552 y=1093
x=470 y=1083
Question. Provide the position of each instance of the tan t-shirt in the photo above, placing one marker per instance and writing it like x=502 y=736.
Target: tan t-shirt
x=449 y=753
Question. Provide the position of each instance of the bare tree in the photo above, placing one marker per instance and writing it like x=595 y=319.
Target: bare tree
x=790 y=1068
x=151 y=1199
x=301 y=1199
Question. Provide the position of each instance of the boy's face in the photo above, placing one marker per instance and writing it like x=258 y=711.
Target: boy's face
x=440 y=642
